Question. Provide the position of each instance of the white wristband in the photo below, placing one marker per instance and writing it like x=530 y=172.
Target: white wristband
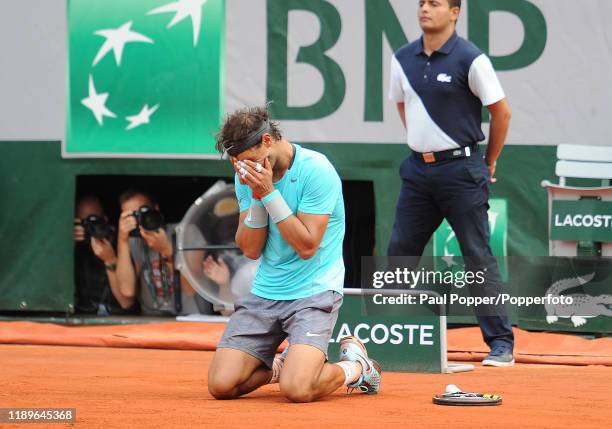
x=258 y=216
x=276 y=206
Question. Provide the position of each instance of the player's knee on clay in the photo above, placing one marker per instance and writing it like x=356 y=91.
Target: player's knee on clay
x=297 y=387
x=222 y=383
x=221 y=387
x=298 y=393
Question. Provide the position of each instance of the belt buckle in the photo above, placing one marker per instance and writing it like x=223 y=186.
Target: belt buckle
x=429 y=157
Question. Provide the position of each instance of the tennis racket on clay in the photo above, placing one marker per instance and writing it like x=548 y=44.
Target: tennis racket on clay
x=467 y=399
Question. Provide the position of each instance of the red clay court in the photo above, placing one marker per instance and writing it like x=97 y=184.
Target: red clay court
x=128 y=387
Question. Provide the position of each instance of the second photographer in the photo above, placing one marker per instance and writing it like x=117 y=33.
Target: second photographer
x=145 y=268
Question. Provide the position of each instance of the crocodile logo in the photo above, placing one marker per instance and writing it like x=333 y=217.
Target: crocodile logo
x=583 y=306
x=444 y=78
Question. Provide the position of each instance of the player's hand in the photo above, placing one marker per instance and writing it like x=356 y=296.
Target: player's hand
x=259 y=181
x=158 y=241
x=78 y=232
x=491 y=168
x=103 y=250
x=218 y=272
x=127 y=223
x=237 y=170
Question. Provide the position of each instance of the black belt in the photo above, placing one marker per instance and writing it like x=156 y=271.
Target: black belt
x=433 y=157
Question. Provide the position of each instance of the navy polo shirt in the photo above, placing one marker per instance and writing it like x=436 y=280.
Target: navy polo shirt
x=443 y=93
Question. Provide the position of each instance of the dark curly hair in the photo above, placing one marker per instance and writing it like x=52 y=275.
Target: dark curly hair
x=133 y=191
x=232 y=137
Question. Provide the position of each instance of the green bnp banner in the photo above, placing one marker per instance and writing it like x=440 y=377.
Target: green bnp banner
x=145 y=78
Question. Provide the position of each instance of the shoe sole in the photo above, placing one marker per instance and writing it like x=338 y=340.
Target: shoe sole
x=497 y=364
x=378 y=368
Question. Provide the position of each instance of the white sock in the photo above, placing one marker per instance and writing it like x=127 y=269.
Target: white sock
x=352 y=371
x=277 y=366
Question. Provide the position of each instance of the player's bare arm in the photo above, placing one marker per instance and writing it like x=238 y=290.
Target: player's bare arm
x=250 y=240
x=304 y=232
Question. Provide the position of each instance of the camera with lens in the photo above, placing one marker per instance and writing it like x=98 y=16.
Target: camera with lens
x=96 y=227
x=148 y=218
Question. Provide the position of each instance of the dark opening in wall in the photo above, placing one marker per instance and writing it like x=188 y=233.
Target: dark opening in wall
x=360 y=236
x=174 y=194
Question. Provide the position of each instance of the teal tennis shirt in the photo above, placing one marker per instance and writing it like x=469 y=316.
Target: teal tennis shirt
x=310 y=186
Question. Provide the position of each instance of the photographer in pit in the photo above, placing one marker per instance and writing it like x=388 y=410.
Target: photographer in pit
x=145 y=269
x=97 y=290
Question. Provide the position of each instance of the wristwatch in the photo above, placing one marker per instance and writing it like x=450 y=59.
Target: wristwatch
x=111 y=267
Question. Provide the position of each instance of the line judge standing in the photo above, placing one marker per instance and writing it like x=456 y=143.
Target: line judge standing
x=440 y=83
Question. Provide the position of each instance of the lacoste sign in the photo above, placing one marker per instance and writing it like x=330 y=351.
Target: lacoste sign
x=395 y=334
x=588 y=220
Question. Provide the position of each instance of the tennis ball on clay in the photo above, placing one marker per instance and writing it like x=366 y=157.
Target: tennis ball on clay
x=451 y=388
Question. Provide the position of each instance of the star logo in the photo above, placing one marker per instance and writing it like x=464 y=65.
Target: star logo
x=165 y=76
x=97 y=103
x=116 y=39
x=142 y=117
x=184 y=9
